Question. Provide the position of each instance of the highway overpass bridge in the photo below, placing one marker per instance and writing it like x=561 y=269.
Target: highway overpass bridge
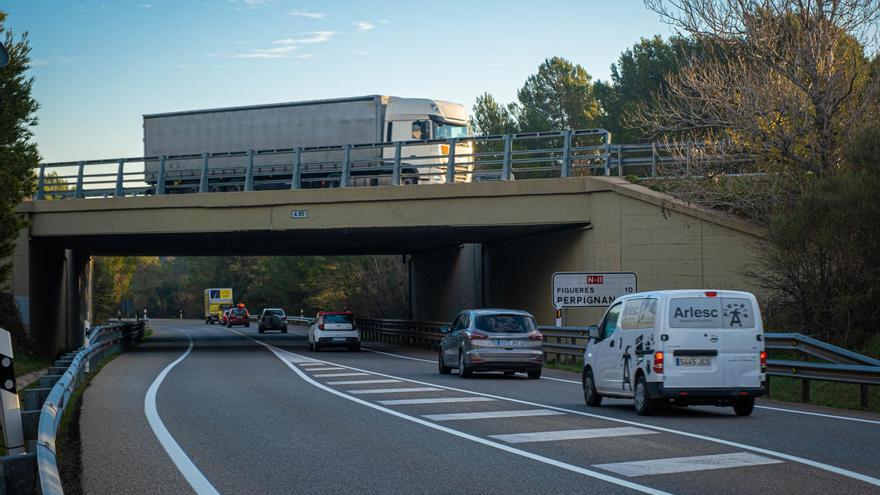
x=492 y=243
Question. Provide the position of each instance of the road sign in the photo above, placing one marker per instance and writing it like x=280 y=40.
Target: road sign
x=299 y=214
x=591 y=289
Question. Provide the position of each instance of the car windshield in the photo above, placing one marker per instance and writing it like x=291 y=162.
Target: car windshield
x=274 y=312
x=443 y=130
x=505 y=323
x=338 y=318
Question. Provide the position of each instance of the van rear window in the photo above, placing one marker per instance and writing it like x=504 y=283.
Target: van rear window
x=711 y=312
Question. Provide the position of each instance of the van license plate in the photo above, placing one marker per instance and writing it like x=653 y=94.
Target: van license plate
x=693 y=361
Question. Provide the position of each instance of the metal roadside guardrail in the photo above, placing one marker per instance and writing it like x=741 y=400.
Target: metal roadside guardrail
x=101 y=341
x=566 y=344
x=527 y=155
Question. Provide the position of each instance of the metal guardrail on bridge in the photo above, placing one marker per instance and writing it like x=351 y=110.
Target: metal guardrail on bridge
x=566 y=344
x=464 y=159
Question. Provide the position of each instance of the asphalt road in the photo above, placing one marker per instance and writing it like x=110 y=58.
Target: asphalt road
x=250 y=413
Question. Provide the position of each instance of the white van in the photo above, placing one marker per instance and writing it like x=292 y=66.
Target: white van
x=679 y=347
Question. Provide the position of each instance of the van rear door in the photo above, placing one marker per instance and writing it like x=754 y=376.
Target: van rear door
x=695 y=343
x=741 y=325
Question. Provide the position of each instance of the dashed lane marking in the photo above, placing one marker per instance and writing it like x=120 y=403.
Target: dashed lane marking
x=438 y=400
x=687 y=464
x=338 y=375
x=554 y=436
x=400 y=390
x=521 y=413
x=362 y=382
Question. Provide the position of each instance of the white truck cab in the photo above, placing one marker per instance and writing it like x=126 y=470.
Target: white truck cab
x=679 y=347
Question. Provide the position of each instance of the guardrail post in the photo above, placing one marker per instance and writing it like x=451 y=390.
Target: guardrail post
x=13 y=434
x=620 y=160
x=41 y=183
x=450 y=162
x=346 y=167
x=249 y=174
x=508 y=151
x=395 y=174
x=120 y=172
x=607 y=158
x=79 y=181
x=566 y=155
x=805 y=390
x=160 y=187
x=653 y=160
x=296 y=176
x=863 y=394
x=203 y=182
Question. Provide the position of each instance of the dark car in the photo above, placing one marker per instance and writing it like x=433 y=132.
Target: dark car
x=273 y=319
x=238 y=316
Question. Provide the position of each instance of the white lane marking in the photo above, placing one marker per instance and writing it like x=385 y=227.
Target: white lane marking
x=311 y=363
x=360 y=382
x=193 y=476
x=808 y=413
x=687 y=464
x=399 y=390
x=401 y=356
x=554 y=436
x=576 y=382
x=438 y=400
x=331 y=368
x=522 y=413
x=460 y=434
x=789 y=457
x=336 y=375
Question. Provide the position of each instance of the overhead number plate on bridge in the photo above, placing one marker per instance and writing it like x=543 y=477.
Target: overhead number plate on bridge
x=299 y=214
x=591 y=289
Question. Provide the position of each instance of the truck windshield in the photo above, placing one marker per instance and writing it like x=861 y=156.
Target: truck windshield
x=443 y=130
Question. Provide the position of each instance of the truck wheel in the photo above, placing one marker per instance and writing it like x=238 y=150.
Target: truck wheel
x=644 y=405
x=591 y=395
x=744 y=407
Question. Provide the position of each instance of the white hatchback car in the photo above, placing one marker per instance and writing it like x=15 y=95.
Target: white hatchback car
x=334 y=329
x=679 y=347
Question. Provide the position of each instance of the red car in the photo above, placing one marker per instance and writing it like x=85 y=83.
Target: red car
x=238 y=316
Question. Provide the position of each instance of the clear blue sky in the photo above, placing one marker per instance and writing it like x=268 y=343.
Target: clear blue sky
x=100 y=65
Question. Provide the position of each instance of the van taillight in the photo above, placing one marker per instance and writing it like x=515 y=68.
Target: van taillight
x=763 y=361
x=658 y=363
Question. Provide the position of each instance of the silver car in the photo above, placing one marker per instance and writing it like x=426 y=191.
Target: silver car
x=492 y=340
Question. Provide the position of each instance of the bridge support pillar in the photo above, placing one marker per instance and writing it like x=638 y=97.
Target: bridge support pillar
x=60 y=296
x=445 y=281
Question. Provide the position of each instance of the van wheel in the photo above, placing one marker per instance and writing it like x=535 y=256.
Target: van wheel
x=644 y=405
x=463 y=370
x=744 y=407
x=591 y=395
x=444 y=370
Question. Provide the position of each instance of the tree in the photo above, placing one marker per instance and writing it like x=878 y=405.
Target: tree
x=784 y=79
x=491 y=117
x=18 y=154
x=559 y=96
x=640 y=74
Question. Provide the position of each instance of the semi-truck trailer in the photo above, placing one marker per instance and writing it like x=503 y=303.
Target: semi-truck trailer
x=216 y=301
x=224 y=133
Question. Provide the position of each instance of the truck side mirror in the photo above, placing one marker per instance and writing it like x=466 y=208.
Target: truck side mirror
x=444 y=329
x=593 y=332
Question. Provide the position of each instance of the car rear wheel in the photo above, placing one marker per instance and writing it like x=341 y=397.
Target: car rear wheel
x=248 y=325
x=316 y=347
x=283 y=330
x=535 y=374
x=744 y=407
x=645 y=406
x=444 y=370
x=261 y=330
x=591 y=395
x=355 y=348
x=463 y=370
